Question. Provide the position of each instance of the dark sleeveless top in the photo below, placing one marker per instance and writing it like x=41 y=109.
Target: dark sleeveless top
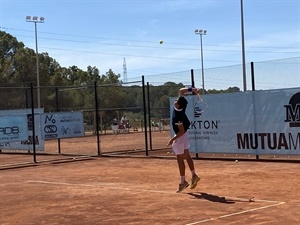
x=180 y=116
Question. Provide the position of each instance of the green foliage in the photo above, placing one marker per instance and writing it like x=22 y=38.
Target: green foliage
x=9 y=47
x=229 y=90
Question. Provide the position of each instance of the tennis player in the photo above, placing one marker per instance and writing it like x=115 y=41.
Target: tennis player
x=179 y=142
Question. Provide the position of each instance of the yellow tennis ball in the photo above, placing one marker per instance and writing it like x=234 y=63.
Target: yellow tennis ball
x=236 y=161
x=161 y=42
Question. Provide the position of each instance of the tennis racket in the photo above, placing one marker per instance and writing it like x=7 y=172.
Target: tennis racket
x=200 y=106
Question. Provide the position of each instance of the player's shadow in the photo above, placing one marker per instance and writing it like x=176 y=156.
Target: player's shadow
x=210 y=197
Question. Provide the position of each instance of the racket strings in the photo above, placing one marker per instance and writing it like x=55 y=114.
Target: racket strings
x=200 y=106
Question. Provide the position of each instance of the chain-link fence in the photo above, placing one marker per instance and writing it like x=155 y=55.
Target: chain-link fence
x=111 y=113
x=134 y=116
x=266 y=75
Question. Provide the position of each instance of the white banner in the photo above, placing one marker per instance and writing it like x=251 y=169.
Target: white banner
x=62 y=125
x=26 y=144
x=260 y=122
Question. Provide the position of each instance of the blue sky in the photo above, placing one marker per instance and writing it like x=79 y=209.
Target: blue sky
x=102 y=33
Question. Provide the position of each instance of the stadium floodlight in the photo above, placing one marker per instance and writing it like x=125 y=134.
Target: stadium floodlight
x=35 y=21
x=200 y=33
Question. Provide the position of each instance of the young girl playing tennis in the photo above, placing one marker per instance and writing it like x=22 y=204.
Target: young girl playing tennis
x=179 y=142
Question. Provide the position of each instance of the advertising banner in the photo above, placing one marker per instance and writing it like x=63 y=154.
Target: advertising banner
x=62 y=125
x=13 y=128
x=27 y=143
x=260 y=122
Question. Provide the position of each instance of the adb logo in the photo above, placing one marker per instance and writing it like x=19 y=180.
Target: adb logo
x=292 y=111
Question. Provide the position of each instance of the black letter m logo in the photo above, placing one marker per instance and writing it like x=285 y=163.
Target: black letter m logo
x=293 y=115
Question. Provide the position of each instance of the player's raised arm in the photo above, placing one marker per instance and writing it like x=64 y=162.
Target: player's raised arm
x=184 y=90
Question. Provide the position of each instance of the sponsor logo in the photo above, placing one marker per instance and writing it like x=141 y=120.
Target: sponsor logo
x=50 y=129
x=9 y=130
x=204 y=124
x=292 y=111
x=273 y=141
x=276 y=141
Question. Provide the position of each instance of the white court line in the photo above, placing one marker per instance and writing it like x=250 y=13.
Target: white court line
x=114 y=186
x=105 y=184
x=237 y=213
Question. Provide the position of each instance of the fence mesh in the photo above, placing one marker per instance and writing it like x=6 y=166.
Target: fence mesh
x=116 y=101
x=274 y=74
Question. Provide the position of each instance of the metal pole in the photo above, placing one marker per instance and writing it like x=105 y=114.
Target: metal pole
x=57 y=110
x=193 y=85
x=97 y=117
x=36 y=20
x=192 y=78
x=33 y=126
x=149 y=116
x=201 y=32
x=254 y=102
x=252 y=76
x=243 y=48
x=202 y=67
x=145 y=114
x=37 y=68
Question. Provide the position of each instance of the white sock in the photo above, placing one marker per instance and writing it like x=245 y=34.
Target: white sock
x=193 y=172
x=182 y=179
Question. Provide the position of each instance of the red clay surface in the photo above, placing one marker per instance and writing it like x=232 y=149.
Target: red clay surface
x=115 y=190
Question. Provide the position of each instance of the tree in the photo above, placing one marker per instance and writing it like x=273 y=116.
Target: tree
x=9 y=46
x=25 y=68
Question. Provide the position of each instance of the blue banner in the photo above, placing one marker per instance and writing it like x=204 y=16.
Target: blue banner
x=27 y=143
x=13 y=128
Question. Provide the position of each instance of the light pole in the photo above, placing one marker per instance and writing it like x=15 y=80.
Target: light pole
x=200 y=33
x=35 y=20
x=243 y=47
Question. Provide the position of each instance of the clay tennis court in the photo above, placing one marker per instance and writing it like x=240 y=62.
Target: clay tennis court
x=140 y=190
